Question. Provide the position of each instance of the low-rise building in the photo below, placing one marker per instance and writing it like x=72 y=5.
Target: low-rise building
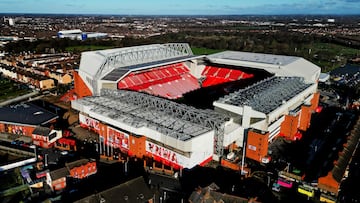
x=45 y=137
x=210 y=194
x=82 y=168
x=29 y=78
x=79 y=169
x=62 y=78
x=22 y=119
x=57 y=179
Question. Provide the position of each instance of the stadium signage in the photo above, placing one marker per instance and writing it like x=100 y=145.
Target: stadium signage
x=90 y=123
x=117 y=139
x=164 y=153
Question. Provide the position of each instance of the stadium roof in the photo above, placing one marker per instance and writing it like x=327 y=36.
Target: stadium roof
x=257 y=57
x=267 y=95
x=140 y=110
x=94 y=65
x=118 y=73
x=25 y=114
x=92 y=61
x=280 y=65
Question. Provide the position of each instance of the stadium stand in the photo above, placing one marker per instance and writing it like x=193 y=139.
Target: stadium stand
x=170 y=81
x=217 y=75
x=254 y=91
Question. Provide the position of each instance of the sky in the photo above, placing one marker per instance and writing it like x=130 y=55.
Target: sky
x=181 y=7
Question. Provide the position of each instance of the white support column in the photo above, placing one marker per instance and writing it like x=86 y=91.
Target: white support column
x=246 y=116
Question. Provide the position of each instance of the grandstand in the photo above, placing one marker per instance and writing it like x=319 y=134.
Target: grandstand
x=164 y=121
x=138 y=100
x=217 y=75
x=170 y=81
x=266 y=101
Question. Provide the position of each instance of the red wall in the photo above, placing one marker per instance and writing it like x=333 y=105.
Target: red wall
x=2 y=127
x=17 y=129
x=81 y=89
x=83 y=171
x=328 y=183
x=289 y=126
x=305 y=117
x=257 y=145
x=231 y=165
x=315 y=101
x=137 y=146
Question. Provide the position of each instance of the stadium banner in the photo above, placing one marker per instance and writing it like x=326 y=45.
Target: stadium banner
x=117 y=139
x=18 y=129
x=87 y=122
x=165 y=154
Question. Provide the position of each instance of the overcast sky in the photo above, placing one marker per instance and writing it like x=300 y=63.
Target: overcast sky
x=181 y=7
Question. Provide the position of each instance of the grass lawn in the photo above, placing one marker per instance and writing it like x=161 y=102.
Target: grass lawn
x=204 y=51
x=335 y=49
x=329 y=56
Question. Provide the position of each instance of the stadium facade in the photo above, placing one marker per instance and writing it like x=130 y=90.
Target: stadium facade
x=147 y=101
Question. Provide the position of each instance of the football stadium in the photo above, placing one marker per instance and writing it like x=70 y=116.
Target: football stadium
x=162 y=101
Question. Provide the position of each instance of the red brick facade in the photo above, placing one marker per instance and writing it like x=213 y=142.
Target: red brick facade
x=83 y=171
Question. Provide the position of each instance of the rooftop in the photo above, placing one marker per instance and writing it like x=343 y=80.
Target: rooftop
x=100 y=63
x=266 y=95
x=78 y=163
x=59 y=173
x=143 y=110
x=39 y=130
x=23 y=72
x=70 y=31
x=280 y=65
x=26 y=114
x=209 y=195
x=134 y=190
x=256 y=57
x=117 y=73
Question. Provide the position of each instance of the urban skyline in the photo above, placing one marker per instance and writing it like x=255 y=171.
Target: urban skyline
x=184 y=7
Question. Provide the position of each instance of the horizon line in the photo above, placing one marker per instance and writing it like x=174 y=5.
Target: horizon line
x=99 y=14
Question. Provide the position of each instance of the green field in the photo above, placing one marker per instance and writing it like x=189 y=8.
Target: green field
x=334 y=49
x=204 y=51
x=9 y=89
x=87 y=48
x=329 y=56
